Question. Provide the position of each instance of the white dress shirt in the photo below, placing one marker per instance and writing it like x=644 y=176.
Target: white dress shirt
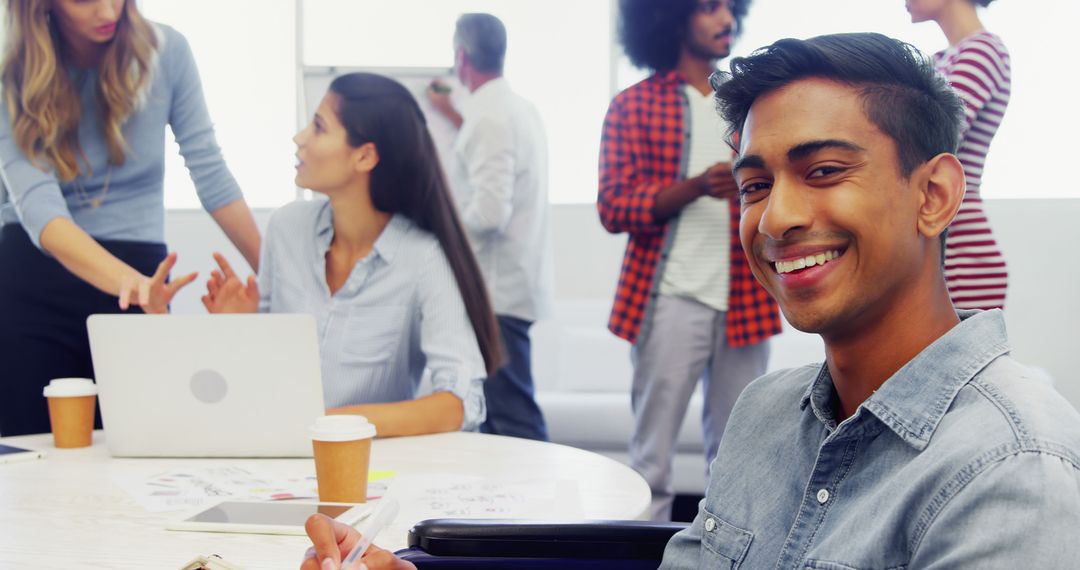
x=502 y=195
x=399 y=311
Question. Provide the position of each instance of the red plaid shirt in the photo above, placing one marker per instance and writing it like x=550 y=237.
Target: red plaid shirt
x=641 y=152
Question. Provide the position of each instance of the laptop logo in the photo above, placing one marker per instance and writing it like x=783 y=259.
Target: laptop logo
x=209 y=386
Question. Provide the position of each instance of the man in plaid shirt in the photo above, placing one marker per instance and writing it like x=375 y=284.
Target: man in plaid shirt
x=686 y=297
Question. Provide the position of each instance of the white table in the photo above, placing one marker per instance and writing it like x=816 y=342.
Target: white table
x=65 y=511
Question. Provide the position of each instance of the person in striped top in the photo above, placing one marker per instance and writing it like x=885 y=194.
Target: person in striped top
x=976 y=64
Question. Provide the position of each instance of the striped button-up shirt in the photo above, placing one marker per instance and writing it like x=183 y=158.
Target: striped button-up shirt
x=399 y=311
x=641 y=153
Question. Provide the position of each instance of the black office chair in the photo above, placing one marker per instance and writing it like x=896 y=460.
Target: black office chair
x=452 y=544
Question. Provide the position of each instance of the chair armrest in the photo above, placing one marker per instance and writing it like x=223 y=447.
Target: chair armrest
x=623 y=540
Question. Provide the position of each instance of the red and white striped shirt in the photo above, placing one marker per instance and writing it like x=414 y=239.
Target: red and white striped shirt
x=979 y=71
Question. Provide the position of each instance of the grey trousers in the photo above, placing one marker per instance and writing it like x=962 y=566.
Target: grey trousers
x=686 y=343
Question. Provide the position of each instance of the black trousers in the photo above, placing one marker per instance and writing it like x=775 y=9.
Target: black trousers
x=43 y=311
x=511 y=406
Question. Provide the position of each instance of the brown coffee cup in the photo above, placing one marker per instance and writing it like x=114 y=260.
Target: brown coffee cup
x=71 y=411
x=342 y=445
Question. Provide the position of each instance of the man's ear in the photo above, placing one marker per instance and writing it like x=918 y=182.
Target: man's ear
x=941 y=190
x=365 y=157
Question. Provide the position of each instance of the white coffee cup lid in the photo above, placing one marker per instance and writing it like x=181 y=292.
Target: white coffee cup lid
x=342 y=428
x=70 y=388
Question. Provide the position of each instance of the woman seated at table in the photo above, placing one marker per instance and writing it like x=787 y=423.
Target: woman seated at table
x=383 y=265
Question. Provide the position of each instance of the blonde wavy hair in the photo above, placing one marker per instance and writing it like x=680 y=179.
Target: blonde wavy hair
x=42 y=103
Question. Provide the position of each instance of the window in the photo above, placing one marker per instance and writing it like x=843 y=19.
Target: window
x=1038 y=45
x=246 y=54
x=1034 y=139
x=558 y=57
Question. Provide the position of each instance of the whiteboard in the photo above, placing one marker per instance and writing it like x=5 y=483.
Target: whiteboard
x=317 y=81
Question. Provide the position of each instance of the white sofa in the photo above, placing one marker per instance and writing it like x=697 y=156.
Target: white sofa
x=583 y=377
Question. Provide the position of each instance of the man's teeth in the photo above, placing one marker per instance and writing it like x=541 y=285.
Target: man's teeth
x=808 y=261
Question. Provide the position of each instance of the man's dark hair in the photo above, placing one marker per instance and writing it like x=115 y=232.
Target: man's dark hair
x=983 y=3
x=483 y=38
x=902 y=95
x=652 y=31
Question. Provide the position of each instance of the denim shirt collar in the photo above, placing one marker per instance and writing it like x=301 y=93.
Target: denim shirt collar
x=913 y=401
x=386 y=245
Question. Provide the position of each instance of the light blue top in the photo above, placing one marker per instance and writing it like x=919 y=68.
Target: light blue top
x=133 y=209
x=963 y=459
x=398 y=312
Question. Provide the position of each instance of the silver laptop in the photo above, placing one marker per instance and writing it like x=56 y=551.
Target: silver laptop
x=207 y=385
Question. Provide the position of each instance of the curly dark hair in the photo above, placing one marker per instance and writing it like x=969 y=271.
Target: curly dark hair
x=651 y=31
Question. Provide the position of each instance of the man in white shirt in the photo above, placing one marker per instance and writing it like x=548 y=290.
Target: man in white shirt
x=501 y=154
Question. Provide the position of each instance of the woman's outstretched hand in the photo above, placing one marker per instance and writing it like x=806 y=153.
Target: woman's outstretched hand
x=153 y=293
x=225 y=293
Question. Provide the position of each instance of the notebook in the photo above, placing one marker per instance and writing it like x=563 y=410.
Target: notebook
x=207 y=385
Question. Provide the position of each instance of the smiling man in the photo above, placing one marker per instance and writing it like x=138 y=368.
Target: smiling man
x=920 y=442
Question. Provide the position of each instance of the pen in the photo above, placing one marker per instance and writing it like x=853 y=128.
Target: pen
x=384 y=514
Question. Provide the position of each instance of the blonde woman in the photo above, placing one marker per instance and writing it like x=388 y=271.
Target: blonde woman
x=88 y=89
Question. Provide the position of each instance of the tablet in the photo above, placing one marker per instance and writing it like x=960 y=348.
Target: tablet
x=267 y=517
x=11 y=454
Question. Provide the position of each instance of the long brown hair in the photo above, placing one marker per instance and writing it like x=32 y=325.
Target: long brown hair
x=409 y=180
x=42 y=103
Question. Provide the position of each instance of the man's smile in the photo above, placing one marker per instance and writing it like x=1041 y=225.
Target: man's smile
x=810 y=260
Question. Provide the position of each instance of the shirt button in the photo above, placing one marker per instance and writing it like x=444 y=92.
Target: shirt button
x=710 y=525
x=822 y=496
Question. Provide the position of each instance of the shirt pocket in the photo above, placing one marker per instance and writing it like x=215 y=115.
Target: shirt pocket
x=826 y=565
x=373 y=334
x=725 y=545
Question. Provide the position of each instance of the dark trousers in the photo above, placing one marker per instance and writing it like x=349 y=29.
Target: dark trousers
x=43 y=311
x=511 y=408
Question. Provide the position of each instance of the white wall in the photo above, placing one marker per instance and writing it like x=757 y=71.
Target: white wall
x=1042 y=310
x=573 y=350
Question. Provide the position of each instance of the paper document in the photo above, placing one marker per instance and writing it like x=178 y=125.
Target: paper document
x=180 y=489
x=454 y=496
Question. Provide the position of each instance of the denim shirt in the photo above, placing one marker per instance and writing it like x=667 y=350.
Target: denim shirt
x=963 y=459
x=398 y=313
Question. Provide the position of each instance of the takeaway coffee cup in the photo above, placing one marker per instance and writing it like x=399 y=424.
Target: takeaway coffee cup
x=71 y=411
x=342 y=445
